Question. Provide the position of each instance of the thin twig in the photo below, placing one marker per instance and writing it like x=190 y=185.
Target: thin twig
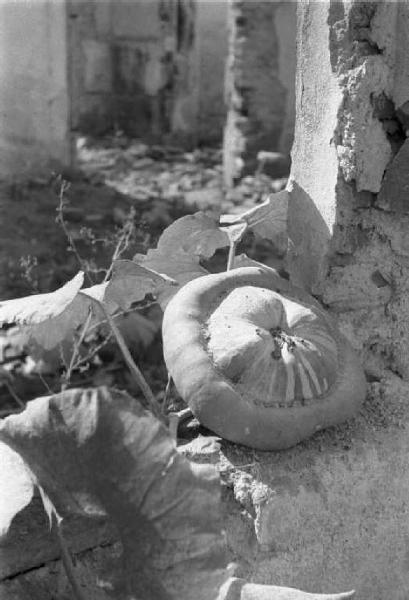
x=133 y=368
x=93 y=352
x=63 y=358
x=45 y=384
x=67 y=561
x=61 y=221
x=76 y=350
x=122 y=244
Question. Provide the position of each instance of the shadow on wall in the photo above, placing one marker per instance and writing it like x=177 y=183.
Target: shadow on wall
x=309 y=236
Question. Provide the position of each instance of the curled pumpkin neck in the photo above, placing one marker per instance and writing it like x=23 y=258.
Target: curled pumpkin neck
x=277 y=351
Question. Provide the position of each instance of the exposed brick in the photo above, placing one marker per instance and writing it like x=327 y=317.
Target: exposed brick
x=256 y=84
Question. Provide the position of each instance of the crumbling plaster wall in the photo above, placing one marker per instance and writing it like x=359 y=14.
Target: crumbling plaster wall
x=259 y=84
x=351 y=176
x=34 y=107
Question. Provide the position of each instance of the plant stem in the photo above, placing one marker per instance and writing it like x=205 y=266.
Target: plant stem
x=67 y=561
x=176 y=418
x=166 y=396
x=232 y=254
x=133 y=368
x=45 y=384
x=123 y=312
x=14 y=395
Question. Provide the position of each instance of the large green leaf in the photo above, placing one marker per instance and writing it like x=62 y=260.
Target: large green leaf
x=180 y=249
x=182 y=267
x=99 y=448
x=131 y=282
x=48 y=319
x=37 y=308
x=196 y=234
x=16 y=486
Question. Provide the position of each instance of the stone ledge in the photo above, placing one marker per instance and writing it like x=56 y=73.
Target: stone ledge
x=330 y=513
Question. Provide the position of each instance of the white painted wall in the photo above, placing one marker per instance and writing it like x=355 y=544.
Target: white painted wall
x=34 y=100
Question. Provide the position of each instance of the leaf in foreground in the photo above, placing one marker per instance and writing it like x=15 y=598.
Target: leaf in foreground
x=93 y=448
x=16 y=486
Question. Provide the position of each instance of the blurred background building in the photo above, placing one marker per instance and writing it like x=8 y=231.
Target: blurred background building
x=168 y=71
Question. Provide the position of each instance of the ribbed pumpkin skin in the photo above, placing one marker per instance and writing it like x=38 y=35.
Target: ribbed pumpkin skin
x=258 y=360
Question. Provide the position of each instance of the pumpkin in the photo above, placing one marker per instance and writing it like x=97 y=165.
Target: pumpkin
x=258 y=360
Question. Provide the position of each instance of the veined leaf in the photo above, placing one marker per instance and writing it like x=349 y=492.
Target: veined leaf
x=50 y=332
x=268 y=220
x=180 y=266
x=196 y=234
x=37 y=308
x=99 y=448
x=48 y=319
x=130 y=282
x=16 y=486
x=180 y=248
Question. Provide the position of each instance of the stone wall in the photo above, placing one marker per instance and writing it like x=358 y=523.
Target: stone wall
x=34 y=105
x=259 y=85
x=331 y=513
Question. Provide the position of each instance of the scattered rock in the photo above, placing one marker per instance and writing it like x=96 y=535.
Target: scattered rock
x=203 y=449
